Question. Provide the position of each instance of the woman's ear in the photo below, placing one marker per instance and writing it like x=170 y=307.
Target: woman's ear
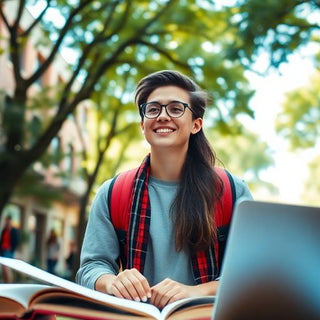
x=142 y=127
x=197 y=125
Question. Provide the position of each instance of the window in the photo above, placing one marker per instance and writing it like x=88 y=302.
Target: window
x=38 y=62
x=56 y=150
x=70 y=159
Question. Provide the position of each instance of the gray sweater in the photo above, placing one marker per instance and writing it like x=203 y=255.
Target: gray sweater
x=101 y=249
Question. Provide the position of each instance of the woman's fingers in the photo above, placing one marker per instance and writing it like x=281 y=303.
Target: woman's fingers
x=131 y=284
x=167 y=291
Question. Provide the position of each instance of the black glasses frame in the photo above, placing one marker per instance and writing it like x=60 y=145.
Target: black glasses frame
x=143 y=107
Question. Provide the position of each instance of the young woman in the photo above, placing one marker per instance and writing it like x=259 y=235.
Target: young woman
x=178 y=189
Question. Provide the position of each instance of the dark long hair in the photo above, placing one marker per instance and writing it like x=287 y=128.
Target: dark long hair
x=200 y=186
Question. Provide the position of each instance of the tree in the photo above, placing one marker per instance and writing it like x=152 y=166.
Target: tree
x=108 y=126
x=252 y=156
x=299 y=119
x=312 y=187
x=273 y=28
x=299 y=123
x=110 y=36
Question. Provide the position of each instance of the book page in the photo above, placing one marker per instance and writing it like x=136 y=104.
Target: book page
x=122 y=304
x=186 y=305
x=76 y=312
x=196 y=312
x=144 y=309
x=14 y=298
x=20 y=292
x=78 y=305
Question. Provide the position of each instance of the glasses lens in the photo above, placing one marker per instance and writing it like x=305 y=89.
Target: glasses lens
x=152 y=110
x=175 y=109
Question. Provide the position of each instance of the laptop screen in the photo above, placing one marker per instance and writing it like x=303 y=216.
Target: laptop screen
x=271 y=268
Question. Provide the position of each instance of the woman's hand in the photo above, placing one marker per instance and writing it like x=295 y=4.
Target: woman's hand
x=168 y=291
x=129 y=284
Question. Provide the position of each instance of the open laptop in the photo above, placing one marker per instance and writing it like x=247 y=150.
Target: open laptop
x=271 y=267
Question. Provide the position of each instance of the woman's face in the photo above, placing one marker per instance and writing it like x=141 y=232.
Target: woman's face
x=165 y=131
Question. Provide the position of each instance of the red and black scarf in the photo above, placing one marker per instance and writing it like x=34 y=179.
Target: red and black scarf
x=203 y=262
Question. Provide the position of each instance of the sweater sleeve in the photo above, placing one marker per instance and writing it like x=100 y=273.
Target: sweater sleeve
x=242 y=190
x=100 y=248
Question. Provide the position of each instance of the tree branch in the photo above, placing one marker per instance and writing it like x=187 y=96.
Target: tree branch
x=4 y=18
x=16 y=24
x=100 y=38
x=44 y=66
x=163 y=52
x=36 y=21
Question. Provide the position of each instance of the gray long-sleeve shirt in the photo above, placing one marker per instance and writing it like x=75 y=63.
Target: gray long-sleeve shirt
x=101 y=249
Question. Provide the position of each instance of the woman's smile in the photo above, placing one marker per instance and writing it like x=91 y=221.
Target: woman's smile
x=164 y=130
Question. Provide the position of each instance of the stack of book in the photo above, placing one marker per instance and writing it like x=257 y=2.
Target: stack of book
x=60 y=297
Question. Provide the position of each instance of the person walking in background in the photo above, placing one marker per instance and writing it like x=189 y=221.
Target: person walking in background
x=53 y=250
x=70 y=259
x=168 y=247
x=8 y=244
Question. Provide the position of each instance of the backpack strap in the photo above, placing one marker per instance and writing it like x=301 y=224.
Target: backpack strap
x=227 y=199
x=119 y=201
x=120 y=193
x=223 y=214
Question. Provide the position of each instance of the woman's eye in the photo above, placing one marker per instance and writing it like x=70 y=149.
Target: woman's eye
x=176 y=109
x=153 y=109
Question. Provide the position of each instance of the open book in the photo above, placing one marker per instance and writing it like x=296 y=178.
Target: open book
x=66 y=298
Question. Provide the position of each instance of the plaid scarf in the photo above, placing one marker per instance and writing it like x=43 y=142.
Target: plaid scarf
x=203 y=262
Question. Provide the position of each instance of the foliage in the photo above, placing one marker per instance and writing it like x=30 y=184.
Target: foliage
x=108 y=39
x=299 y=123
x=268 y=33
x=299 y=119
x=244 y=154
x=312 y=188
x=31 y=184
x=272 y=27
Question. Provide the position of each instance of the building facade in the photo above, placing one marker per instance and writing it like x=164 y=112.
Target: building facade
x=34 y=219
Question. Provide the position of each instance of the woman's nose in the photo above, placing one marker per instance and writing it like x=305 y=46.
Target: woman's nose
x=163 y=114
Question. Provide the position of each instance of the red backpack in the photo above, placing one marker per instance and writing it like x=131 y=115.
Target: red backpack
x=119 y=207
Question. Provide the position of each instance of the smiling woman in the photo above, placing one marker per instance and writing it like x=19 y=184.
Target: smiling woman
x=158 y=122
x=175 y=205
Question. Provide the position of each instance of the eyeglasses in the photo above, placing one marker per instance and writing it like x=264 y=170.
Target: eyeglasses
x=174 y=109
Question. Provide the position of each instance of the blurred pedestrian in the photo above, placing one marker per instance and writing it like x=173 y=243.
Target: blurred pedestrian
x=70 y=259
x=53 y=250
x=8 y=244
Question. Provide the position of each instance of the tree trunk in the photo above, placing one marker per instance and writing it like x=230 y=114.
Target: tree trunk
x=12 y=168
x=82 y=222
